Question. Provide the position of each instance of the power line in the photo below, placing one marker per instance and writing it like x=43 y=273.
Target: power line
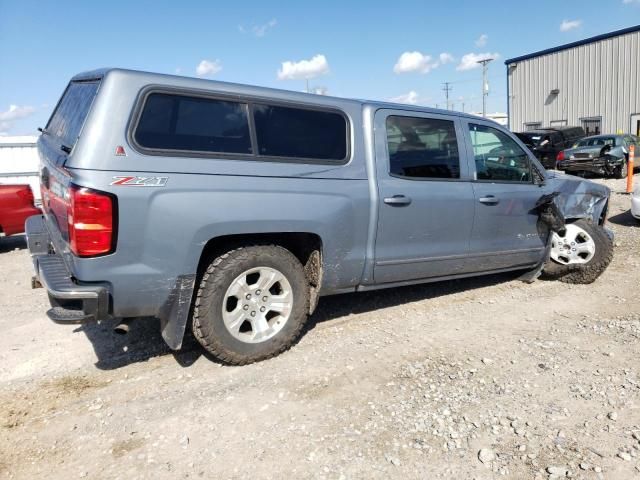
x=447 y=89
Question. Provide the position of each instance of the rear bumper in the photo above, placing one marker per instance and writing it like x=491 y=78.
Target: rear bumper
x=71 y=302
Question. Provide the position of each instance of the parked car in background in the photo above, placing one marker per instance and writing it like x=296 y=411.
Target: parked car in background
x=16 y=205
x=635 y=202
x=548 y=142
x=601 y=154
x=235 y=208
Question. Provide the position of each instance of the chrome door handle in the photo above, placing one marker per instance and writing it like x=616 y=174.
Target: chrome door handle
x=397 y=200
x=489 y=200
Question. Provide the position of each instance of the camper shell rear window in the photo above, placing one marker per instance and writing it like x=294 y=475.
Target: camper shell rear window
x=71 y=112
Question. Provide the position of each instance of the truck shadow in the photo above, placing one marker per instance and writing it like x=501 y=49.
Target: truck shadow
x=144 y=341
x=15 y=242
x=334 y=307
x=624 y=219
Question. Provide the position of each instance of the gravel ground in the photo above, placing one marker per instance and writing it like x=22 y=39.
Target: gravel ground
x=480 y=378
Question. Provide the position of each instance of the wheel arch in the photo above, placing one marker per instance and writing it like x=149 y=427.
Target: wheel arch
x=305 y=246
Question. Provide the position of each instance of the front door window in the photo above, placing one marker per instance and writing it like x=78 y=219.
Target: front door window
x=498 y=157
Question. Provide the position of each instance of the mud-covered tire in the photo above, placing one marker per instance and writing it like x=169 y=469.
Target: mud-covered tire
x=208 y=325
x=588 y=272
x=622 y=171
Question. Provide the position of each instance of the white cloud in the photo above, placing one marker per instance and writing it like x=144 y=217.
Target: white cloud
x=411 y=98
x=628 y=2
x=567 y=25
x=482 y=40
x=414 y=62
x=446 y=58
x=261 y=30
x=207 y=68
x=304 y=69
x=14 y=113
x=470 y=60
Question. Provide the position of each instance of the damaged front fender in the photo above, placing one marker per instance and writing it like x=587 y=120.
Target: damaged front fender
x=570 y=198
x=578 y=198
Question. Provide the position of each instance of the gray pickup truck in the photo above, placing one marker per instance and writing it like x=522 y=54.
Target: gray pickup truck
x=233 y=208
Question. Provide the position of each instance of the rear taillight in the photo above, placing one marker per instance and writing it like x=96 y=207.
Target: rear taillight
x=91 y=219
x=560 y=156
x=26 y=194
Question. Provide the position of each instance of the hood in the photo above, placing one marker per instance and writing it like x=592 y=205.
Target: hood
x=577 y=197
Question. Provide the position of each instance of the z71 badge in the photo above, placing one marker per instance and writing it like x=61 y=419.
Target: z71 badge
x=140 y=181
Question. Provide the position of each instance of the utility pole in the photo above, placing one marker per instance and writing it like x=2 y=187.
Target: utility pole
x=462 y=107
x=447 y=89
x=485 y=85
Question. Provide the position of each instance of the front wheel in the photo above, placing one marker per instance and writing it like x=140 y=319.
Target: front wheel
x=622 y=171
x=580 y=253
x=251 y=305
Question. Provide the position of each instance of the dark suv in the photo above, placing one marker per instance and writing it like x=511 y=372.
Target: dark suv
x=548 y=142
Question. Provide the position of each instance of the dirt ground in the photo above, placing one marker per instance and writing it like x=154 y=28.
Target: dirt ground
x=483 y=378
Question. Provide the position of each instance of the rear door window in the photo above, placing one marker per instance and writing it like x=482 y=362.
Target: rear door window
x=292 y=132
x=422 y=148
x=66 y=122
x=194 y=124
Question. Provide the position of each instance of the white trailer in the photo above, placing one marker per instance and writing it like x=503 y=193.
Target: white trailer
x=19 y=162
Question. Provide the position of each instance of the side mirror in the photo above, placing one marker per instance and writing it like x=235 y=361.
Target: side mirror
x=538 y=176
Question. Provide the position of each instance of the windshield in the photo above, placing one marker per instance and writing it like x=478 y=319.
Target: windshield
x=596 y=142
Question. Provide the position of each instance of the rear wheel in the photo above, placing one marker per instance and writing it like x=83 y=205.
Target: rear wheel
x=252 y=304
x=580 y=253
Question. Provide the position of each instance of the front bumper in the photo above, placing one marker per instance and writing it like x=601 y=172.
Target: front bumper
x=71 y=302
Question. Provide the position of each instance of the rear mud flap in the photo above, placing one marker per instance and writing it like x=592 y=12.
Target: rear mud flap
x=175 y=311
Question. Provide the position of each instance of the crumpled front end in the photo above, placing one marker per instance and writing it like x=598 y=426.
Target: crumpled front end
x=568 y=198
x=601 y=161
x=579 y=198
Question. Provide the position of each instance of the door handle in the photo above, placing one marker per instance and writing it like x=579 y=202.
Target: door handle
x=489 y=200
x=397 y=200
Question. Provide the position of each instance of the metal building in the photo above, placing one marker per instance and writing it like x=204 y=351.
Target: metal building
x=593 y=83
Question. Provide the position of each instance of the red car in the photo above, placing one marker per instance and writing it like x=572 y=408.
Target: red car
x=16 y=205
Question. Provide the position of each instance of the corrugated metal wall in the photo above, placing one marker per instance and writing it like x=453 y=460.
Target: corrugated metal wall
x=600 y=79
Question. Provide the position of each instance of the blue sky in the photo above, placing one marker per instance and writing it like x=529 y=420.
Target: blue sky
x=358 y=45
